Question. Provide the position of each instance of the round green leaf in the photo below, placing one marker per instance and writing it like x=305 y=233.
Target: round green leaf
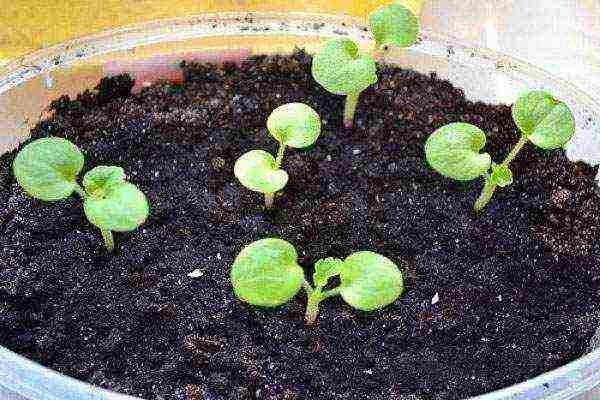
x=453 y=151
x=47 y=168
x=394 y=25
x=295 y=125
x=341 y=70
x=119 y=207
x=370 y=281
x=101 y=177
x=266 y=273
x=501 y=175
x=256 y=171
x=545 y=121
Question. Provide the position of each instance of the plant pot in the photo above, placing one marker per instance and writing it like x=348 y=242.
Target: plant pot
x=28 y=86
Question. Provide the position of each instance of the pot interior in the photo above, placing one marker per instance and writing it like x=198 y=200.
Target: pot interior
x=153 y=50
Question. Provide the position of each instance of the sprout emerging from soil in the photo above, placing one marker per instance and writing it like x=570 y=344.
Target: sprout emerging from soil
x=266 y=273
x=47 y=169
x=453 y=150
x=295 y=125
x=339 y=67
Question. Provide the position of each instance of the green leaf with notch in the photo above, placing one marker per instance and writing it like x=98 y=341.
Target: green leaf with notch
x=117 y=206
x=101 y=177
x=370 y=281
x=545 y=121
x=295 y=125
x=394 y=25
x=266 y=273
x=453 y=151
x=501 y=175
x=325 y=269
x=47 y=168
x=256 y=170
x=340 y=69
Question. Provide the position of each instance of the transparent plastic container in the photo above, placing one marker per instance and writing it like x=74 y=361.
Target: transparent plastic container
x=153 y=49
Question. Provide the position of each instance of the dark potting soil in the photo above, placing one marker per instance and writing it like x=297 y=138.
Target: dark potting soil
x=518 y=287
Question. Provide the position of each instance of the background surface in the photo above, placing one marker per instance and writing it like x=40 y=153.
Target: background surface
x=560 y=35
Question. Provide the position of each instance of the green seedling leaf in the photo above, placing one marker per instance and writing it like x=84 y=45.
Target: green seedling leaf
x=370 y=281
x=501 y=175
x=47 y=168
x=295 y=125
x=266 y=273
x=545 y=121
x=340 y=69
x=325 y=269
x=118 y=207
x=292 y=124
x=102 y=177
x=453 y=151
x=257 y=171
x=394 y=25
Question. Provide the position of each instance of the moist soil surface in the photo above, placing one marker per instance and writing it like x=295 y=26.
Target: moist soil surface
x=518 y=286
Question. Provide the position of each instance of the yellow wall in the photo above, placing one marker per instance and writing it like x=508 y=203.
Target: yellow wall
x=27 y=25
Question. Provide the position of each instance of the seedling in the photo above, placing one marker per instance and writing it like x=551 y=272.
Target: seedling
x=339 y=67
x=394 y=26
x=295 y=125
x=47 y=169
x=266 y=273
x=453 y=150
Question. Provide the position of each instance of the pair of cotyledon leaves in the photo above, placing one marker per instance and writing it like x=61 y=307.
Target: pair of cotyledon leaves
x=454 y=149
x=294 y=124
x=47 y=169
x=266 y=273
x=339 y=67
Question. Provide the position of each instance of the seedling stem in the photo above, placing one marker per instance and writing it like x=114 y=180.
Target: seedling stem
x=307 y=287
x=315 y=296
x=312 y=306
x=108 y=239
x=513 y=153
x=351 y=102
x=269 y=198
x=279 y=159
x=81 y=191
x=489 y=187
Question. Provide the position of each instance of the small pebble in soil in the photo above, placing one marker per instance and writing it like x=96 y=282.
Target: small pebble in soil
x=197 y=273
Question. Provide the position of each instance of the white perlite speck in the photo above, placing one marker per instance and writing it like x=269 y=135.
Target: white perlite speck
x=197 y=273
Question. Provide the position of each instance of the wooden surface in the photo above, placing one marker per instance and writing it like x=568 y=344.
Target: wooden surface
x=27 y=25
